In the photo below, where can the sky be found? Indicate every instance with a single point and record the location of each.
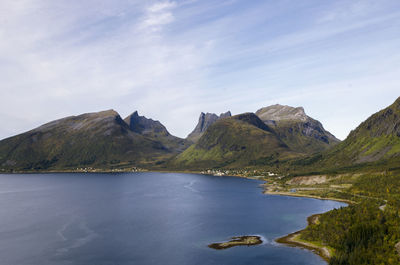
(171, 60)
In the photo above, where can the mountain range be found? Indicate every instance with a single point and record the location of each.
(273, 135)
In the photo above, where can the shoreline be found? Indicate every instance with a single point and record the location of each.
(293, 240)
(292, 194)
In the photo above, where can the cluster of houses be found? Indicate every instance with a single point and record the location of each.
(240, 172)
(91, 169)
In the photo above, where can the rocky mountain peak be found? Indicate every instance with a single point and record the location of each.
(279, 112)
(143, 125)
(299, 131)
(205, 121)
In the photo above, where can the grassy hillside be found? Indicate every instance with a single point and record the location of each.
(242, 140)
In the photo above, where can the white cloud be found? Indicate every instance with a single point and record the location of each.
(158, 14)
(161, 6)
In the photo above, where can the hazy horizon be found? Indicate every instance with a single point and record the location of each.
(171, 60)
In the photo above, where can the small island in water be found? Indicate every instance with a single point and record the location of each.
(237, 241)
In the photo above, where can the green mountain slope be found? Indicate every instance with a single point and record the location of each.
(100, 139)
(376, 138)
(299, 131)
(375, 141)
(241, 140)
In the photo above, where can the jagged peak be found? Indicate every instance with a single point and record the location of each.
(222, 115)
(205, 120)
(143, 125)
(135, 115)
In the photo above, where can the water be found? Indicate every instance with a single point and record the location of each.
(146, 218)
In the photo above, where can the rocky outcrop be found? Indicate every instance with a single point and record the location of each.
(279, 112)
(145, 126)
(205, 121)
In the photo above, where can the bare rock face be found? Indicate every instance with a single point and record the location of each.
(299, 131)
(205, 121)
(225, 115)
(282, 112)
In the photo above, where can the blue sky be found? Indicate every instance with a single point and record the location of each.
(170, 60)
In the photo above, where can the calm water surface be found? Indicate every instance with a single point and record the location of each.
(146, 218)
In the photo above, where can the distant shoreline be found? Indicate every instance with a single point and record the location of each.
(121, 171)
